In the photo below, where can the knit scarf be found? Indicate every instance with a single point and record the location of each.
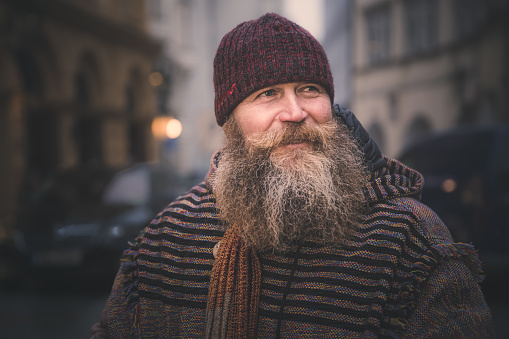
(234, 290)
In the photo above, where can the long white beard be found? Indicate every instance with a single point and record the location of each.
(278, 196)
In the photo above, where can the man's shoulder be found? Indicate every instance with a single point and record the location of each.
(419, 217)
(175, 250)
(191, 218)
(194, 209)
(198, 199)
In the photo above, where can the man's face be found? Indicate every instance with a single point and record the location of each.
(269, 109)
(289, 171)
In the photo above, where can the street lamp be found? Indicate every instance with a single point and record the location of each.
(166, 127)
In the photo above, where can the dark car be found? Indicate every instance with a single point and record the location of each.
(466, 174)
(82, 220)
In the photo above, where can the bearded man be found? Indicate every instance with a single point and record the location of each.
(301, 229)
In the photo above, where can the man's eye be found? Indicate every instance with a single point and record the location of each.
(267, 93)
(310, 88)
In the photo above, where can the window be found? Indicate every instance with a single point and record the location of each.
(87, 129)
(378, 34)
(136, 127)
(470, 14)
(419, 128)
(421, 27)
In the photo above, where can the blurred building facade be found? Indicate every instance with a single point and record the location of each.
(73, 91)
(421, 66)
(190, 32)
(338, 42)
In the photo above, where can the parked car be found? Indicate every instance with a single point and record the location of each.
(466, 173)
(82, 220)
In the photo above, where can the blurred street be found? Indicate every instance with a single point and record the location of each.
(497, 296)
(58, 314)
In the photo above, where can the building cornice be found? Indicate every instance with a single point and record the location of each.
(470, 41)
(102, 28)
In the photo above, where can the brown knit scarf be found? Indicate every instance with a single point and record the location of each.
(234, 292)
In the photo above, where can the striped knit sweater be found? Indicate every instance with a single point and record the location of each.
(399, 276)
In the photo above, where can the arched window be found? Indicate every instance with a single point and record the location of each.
(419, 128)
(137, 125)
(88, 126)
(41, 129)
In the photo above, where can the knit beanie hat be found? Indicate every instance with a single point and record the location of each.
(263, 52)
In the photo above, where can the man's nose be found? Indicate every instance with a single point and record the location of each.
(291, 109)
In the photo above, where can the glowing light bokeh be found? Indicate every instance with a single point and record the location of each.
(166, 127)
(449, 185)
(155, 79)
(173, 128)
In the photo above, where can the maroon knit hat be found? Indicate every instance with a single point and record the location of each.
(263, 52)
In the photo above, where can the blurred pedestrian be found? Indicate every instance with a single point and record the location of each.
(301, 229)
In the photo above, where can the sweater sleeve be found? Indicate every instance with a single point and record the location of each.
(451, 305)
(119, 315)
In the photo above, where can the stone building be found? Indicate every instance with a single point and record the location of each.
(190, 32)
(421, 66)
(337, 42)
(73, 91)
